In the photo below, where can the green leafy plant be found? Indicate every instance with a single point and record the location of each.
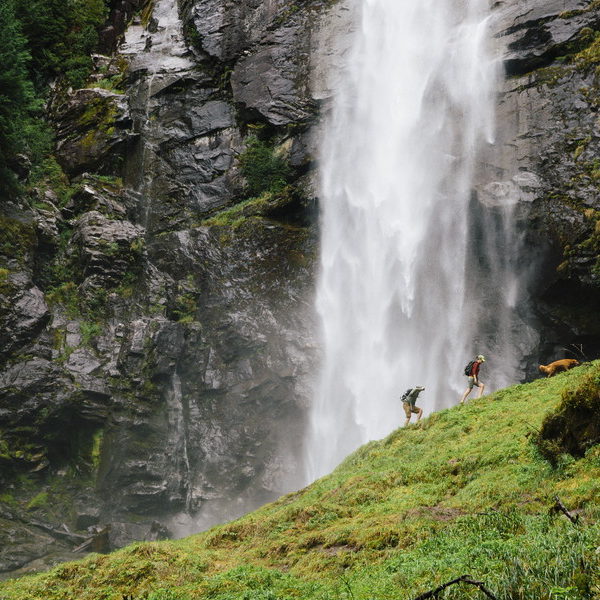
(89, 331)
(264, 169)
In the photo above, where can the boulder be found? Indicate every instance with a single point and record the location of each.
(107, 248)
(23, 312)
(93, 126)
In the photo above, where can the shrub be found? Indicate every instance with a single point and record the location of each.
(263, 168)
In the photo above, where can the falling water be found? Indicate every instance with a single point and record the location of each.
(397, 303)
(159, 53)
(177, 444)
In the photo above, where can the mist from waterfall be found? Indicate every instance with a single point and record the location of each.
(398, 296)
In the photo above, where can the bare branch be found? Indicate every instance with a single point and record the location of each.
(560, 507)
(578, 350)
(462, 579)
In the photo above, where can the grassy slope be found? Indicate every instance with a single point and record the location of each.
(466, 493)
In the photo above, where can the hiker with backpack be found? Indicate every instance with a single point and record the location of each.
(408, 402)
(472, 372)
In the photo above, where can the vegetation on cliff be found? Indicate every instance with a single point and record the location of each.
(40, 41)
(467, 492)
(17, 98)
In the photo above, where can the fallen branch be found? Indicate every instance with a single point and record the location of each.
(560, 507)
(63, 534)
(461, 579)
(85, 546)
(98, 542)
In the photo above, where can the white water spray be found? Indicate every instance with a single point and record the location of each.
(397, 168)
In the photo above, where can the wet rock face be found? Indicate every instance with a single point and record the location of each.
(535, 33)
(107, 248)
(93, 126)
(23, 310)
(157, 351)
(543, 159)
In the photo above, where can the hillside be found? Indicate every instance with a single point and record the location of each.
(468, 492)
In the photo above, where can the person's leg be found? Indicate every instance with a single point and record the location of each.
(419, 414)
(470, 384)
(407, 412)
(481, 388)
(464, 396)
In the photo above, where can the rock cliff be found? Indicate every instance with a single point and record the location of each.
(545, 160)
(157, 331)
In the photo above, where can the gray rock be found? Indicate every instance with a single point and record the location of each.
(93, 126)
(21, 544)
(273, 80)
(82, 362)
(23, 312)
(108, 248)
(535, 34)
(89, 198)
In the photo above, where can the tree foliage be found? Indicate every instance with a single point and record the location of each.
(61, 37)
(16, 92)
(40, 41)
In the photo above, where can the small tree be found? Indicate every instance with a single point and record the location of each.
(263, 169)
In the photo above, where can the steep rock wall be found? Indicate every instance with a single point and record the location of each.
(545, 161)
(158, 343)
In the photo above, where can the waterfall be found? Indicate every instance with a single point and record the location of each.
(180, 473)
(398, 296)
(157, 56)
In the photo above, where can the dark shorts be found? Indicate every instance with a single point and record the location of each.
(472, 383)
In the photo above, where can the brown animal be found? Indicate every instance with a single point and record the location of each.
(558, 365)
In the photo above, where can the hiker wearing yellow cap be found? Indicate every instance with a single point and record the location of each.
(472, 372)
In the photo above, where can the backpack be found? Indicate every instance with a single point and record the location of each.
(469, 367)
(405, 395)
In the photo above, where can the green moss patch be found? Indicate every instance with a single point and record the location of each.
(264, 205)
(590, 56)
(574, 427)
(18, 239)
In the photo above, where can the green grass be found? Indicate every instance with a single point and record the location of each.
(238, 214)
(467, 492)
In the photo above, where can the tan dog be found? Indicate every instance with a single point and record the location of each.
(558, 365)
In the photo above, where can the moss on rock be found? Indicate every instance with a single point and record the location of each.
(574, 426)
(266, 204)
